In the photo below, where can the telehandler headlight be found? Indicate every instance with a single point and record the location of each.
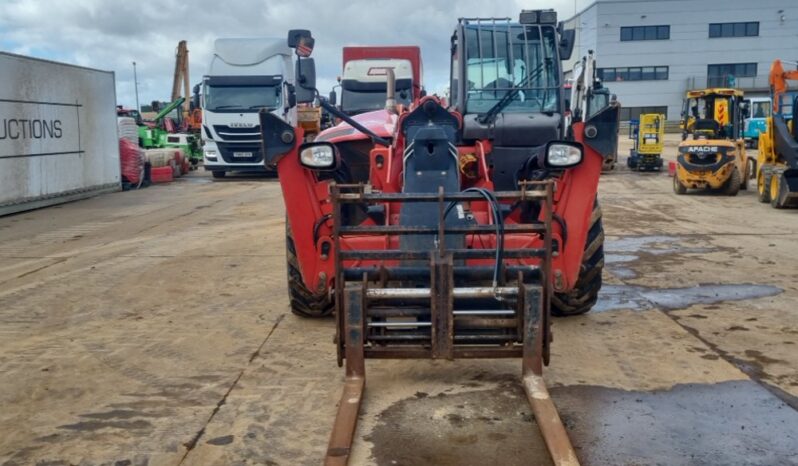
(318, 155)
(563, 154)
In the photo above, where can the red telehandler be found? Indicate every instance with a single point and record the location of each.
(467, 226)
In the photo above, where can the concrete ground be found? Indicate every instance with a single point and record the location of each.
(152, 328)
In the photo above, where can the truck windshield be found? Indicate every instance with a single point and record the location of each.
(241, 98)
(504, 57)
(367, 100)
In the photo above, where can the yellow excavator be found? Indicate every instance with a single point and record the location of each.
(714, 157)
(777, 162)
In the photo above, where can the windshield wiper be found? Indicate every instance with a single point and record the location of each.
(490, 116)
(261, 106)
(224, 106)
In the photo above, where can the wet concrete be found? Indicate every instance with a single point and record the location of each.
(473, 427)
(622, 253)
(736, 422)
(658, 244)
(616, 297)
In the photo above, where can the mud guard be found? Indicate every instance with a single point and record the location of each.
(577, 192)
(281, 144)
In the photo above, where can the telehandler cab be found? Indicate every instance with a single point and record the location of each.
(464, 227)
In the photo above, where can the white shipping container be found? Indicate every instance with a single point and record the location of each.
(58, 133)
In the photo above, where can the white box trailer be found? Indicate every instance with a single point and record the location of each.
(58, 133)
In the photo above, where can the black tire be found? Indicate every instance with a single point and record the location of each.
(304, 302)
(678, 187)
(763, 187)
(732, 186)
(218, 174)
(585, 293)
(746, 176)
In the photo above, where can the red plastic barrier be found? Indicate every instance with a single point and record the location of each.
(672, 168)
(131, 158)
(162, 174)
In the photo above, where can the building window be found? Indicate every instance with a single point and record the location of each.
(645, 33)
(633, 113)
(749, 29)
(637, 73)
(725, 74)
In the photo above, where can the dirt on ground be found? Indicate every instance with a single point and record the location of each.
(152, 328)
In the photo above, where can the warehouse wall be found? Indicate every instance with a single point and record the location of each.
(689, 49)
(58, 136)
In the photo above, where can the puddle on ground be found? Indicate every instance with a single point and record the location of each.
(475, 427)
(628, 249)
(638, 298)
(734, 422)
(652, 245)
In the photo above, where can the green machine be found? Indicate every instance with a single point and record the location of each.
(157, 137)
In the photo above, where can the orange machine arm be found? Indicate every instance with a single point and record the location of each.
(778, 81)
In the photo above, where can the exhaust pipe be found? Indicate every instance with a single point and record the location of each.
(390, 91)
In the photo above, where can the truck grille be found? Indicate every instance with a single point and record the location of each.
(227, 133)
(228, 152)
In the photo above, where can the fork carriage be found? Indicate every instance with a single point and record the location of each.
(466, 295)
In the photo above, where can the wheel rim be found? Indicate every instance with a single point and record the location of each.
(774, 187)
(760, 184)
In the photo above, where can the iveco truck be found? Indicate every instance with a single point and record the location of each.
(244, 76)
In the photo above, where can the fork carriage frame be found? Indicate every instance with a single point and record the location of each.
(374, 320)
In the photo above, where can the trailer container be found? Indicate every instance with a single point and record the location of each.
(58, 133)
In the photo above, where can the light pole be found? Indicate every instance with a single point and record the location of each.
(136, 84)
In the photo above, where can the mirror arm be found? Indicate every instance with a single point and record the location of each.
(376, 139)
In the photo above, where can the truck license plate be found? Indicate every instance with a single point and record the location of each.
(242, 154)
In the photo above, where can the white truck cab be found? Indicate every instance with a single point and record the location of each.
(363, 84)
(244, 76)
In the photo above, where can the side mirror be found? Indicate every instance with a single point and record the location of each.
(306, 80)
(291, 95)
(302, 41)
(563, 154)
(567, 40)
(333, 99)
(318, 156)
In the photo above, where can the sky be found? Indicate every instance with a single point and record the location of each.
(111, 35)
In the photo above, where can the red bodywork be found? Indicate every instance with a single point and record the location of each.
(406, 52)
(309, 207)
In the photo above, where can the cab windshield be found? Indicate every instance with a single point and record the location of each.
(242, 93)
(504, 57)
(760, 109)
(785, 104)
(358, 97)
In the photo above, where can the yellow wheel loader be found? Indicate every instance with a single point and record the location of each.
(777, 162)
(712, 154)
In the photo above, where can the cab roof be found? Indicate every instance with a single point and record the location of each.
(714, 91)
